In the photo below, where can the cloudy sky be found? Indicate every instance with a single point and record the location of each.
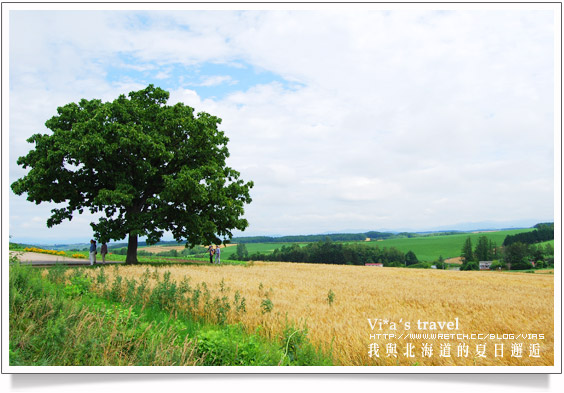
(345, 119)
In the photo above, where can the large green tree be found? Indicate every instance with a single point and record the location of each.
(148, 167)
(517, 254)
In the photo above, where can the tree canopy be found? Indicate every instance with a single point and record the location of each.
(147, 166)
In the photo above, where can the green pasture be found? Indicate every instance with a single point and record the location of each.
(429, 248)
(264, 248)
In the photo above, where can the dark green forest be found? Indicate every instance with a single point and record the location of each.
(542, 233)
(328, 252)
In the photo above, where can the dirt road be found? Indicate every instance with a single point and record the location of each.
(38, 259)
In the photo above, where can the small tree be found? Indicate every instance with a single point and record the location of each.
(440, 264)
(242, 252)
(410, 258)
(466, 253)
(148, 167)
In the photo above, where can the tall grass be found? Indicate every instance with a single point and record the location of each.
(98, 317)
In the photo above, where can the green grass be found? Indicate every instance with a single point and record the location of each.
(66, 318)
(17, 247)
(429, 248)
(263, 248)
(156, 260)
(551, 242)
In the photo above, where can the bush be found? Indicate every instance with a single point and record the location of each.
(471, 265)
(521, 265)
(79, 286)
(496, 265)
(232, 347)
(420, 265)
(165, 294)
(298, 350)
(266, 305)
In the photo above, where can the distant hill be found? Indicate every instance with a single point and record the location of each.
(337, 237)
(360, 236)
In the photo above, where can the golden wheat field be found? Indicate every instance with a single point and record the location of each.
(511, 306)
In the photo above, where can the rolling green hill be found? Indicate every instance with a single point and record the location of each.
(427, 248)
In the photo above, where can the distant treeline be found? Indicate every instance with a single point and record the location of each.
(301, 238)
(335, 237)
(542, 233)
(168, 253)
(333, 253)
(144, 244)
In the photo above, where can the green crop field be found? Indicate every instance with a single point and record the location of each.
(264, 248)
(429, 248)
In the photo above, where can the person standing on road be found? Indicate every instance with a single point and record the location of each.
(104, 251)
(217, 252)
(210, 250)
(92, 252)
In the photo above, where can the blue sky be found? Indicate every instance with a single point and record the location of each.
(347, 119)
(210, 80)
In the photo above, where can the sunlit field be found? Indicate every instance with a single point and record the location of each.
(335, 303)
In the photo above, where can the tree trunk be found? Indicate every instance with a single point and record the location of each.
(131, 258)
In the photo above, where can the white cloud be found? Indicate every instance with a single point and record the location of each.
(216, 80)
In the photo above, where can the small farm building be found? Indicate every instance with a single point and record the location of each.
(485, 265)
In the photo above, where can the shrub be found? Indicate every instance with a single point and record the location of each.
(266, 305)
(165, 293)
(420, 265)
(471, 265)
(330, 297)
(498, 264)
(298, 350)
(79, 286)
(232, 347)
